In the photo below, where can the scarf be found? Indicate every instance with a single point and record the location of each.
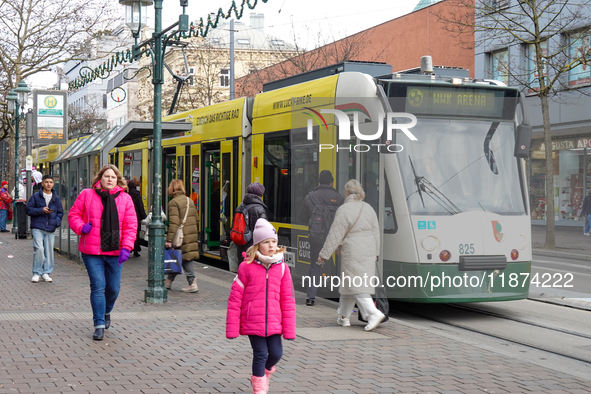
(268, 260)
(109, 221)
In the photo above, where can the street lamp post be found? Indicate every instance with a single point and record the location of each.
(135, 17)
(16, 100)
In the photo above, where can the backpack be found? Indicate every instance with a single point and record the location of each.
(240, 233)
(321, 219)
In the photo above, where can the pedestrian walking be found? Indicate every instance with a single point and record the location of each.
(256, 208)
(355, 229)
(586, 212)
(46, 212)
(262, 304)
(140, 213)
(37, 179)
(5, 202)
(105, 219)
(177, 211)
(318, 212)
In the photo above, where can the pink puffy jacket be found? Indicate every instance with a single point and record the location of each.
(261, 302)
(88, 207)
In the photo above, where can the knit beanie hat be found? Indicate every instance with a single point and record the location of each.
(255, 188)
(263, 230)
(4, 183)
(325, 177)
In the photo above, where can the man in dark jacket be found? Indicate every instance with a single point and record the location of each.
(45, 210)
(256, 209)
(324, 194)
(586, 211)
(136, 196)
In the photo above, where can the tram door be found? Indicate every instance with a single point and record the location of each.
(211, 197)
(229, 183)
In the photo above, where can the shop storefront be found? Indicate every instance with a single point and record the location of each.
(571, 180)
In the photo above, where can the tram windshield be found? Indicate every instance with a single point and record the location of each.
(461, 165)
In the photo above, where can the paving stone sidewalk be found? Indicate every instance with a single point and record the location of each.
(180, 347)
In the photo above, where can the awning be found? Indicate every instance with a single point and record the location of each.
(130, 133)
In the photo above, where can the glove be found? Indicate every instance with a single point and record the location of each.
(123, 255)
(86, 228)
(290, 339)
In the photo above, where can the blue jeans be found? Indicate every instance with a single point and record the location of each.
(267, 352)
(588, 226)
(43, 242)
(105, 281)
(3, 213)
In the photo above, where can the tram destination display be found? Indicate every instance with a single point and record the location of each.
(455, 101)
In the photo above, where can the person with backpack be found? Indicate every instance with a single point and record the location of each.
(318, 210)
(248, 212)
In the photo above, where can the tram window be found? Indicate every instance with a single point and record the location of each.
(390, 224)
(277, 170)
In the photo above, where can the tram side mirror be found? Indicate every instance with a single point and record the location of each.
(523, 141)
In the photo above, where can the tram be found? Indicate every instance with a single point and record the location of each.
(441, 160)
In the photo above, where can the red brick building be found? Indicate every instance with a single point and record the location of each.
(400, 42)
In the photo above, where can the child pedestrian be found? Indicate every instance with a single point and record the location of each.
(262, 304)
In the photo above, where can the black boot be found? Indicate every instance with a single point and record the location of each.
(107, 321)
(98, 335)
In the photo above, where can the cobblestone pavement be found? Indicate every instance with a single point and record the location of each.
(180, 347)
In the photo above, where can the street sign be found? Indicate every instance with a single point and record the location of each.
(50, 116)
(29, 163)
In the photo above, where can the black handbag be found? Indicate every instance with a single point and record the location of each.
(173, 261)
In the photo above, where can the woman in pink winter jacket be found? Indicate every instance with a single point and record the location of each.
(105, 219)
(262, 304)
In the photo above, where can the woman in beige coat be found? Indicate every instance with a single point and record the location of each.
(190, 248)
(355, 229)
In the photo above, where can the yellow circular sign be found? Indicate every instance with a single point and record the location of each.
(50, 101)
(415, 97)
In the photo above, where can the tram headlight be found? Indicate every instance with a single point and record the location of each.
(522, 242)
(514, 254)
(430, 243)
(444, 255)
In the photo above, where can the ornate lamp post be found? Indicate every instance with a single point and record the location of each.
(135, 15)
(17, 98)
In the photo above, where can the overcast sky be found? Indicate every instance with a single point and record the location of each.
(308, 18)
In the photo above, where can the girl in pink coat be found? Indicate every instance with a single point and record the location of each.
(105, 219)
(262, 304)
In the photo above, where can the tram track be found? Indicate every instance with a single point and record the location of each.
(539, 336)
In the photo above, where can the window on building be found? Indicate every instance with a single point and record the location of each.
(532, 69)
(580, 49)
(215, 40)
(104, 101)
(500, 4)
(277, 43)
(243, 41)
(500, 66)
(224, 77)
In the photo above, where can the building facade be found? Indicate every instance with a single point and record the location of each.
(400, 42)
(570, 117)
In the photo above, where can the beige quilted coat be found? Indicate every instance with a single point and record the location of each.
(176, 213)
(359, 248)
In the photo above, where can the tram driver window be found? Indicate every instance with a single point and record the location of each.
(276, 178)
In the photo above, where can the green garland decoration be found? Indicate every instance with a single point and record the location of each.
(200, 30)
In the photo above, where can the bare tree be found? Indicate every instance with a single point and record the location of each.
(549, 34)
(38, 34)
(88, 120)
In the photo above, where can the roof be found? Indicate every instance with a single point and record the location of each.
(245, 37)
